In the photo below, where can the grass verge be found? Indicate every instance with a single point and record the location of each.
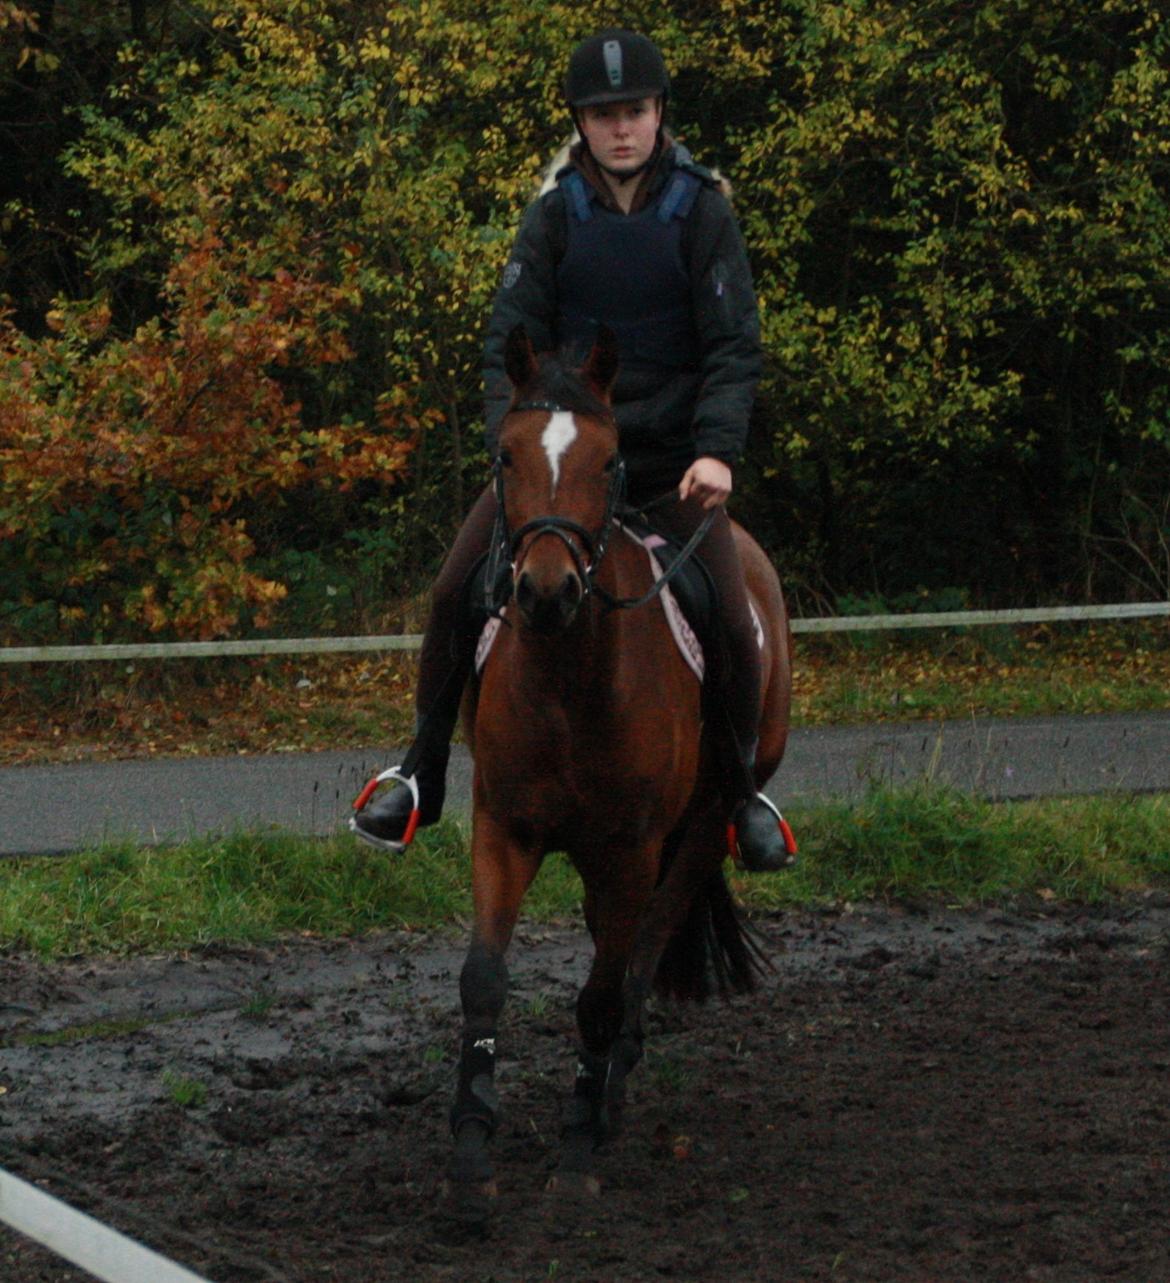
(919, 844)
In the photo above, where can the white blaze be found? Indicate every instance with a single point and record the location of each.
(557, 437)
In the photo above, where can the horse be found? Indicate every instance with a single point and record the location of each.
(587, 733)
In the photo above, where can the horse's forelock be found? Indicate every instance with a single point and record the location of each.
(557, 382)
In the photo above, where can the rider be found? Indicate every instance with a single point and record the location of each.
(635, 236)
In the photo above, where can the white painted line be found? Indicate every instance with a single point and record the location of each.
(106, 1254)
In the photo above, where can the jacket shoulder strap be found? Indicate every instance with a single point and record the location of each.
(577, 196)
(679, 197)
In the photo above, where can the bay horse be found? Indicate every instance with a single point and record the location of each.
(586, 728)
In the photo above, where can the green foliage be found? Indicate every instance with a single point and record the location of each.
(957, 217)
(960, 223)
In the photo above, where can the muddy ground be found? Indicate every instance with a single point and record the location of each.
(912, 1095)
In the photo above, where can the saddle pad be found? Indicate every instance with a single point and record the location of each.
(680, 626)
(685, 638)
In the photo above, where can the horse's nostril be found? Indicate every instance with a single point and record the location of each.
(571, 589)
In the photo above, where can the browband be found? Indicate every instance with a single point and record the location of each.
(551, 406)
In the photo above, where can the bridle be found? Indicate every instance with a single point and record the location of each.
(586, 547)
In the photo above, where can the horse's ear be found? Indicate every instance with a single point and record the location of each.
(519, 358)
(601, 366)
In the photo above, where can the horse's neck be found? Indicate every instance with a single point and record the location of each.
(572, 663)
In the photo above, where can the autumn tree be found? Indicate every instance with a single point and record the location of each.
(292, 214)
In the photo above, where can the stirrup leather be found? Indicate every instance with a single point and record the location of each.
(411, 782)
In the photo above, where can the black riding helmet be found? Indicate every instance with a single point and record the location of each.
(615, 66)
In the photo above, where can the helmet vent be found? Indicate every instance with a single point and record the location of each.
(612, 53)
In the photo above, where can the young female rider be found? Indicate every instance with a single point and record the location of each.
(637, 237)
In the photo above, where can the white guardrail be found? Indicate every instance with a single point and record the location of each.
(106, 1254)
(412, 641)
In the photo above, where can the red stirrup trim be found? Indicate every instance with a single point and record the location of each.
(789, 839)
(364, 796)
(785, 832)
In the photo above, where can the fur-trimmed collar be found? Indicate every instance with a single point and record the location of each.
(575, 155)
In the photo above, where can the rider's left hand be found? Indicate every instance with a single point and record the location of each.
(707, 479)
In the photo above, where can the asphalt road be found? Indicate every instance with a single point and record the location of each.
(52, 809)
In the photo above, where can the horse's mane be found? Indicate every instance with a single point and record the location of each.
(559, 382)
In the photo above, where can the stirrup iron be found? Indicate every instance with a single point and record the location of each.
(782, 824)
(388, 844)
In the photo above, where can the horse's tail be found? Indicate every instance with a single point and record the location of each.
(715, 939)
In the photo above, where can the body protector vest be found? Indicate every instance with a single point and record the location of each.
(627, 271)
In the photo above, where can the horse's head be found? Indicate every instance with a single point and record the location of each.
(558, 476)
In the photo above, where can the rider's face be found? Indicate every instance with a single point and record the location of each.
(621, 135)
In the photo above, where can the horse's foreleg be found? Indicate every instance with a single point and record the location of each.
(501, 873)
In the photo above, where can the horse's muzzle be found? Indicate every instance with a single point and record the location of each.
(548, 606)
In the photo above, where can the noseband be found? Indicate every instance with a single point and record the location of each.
(576, 538)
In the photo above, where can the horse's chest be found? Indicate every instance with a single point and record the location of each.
(575, 775)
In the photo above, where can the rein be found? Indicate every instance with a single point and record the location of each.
(506, 543)
(685, 554)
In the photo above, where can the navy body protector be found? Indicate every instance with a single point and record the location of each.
(630, 270)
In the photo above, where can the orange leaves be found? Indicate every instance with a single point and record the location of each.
(129, 465)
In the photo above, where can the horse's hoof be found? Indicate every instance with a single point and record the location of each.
(465, 1207)
(569, 1184)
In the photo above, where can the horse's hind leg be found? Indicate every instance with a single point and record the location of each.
(501, 874)
(613, 912)
(692, 851)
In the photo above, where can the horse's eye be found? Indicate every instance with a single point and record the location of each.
(611, 463)
(506, 458)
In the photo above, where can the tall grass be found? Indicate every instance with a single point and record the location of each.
(931, 843)
(923, 843)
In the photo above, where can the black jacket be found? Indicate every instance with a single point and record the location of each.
(701, 410)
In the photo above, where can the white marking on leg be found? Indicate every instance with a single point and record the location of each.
(557, 437)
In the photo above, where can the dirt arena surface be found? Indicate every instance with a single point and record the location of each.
(937, 1096)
